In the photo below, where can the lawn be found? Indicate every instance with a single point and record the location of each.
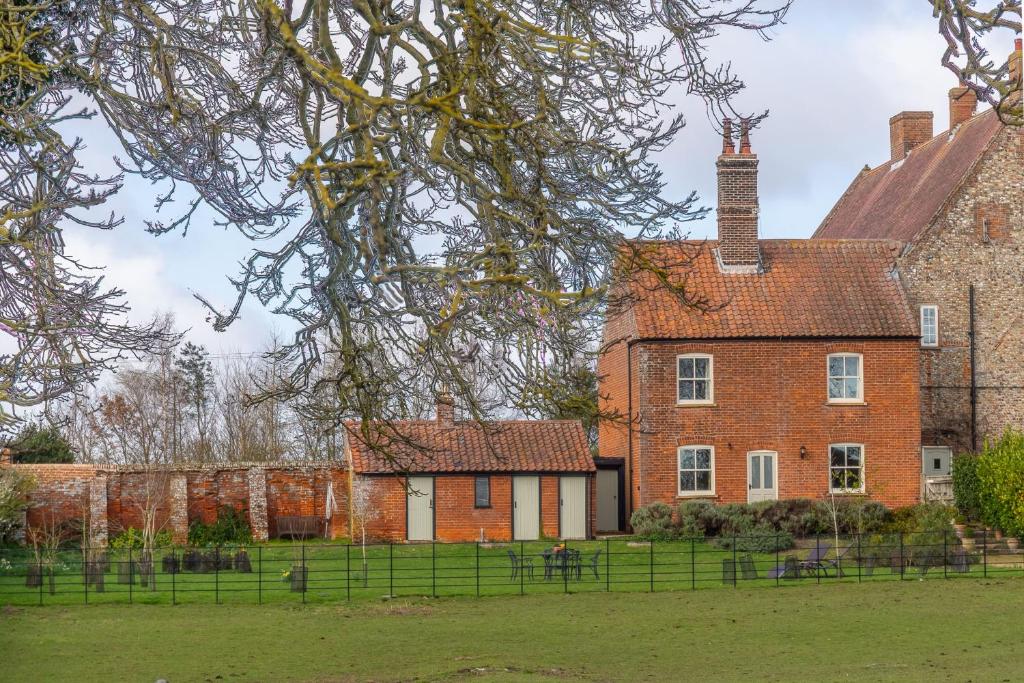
(906, 631)
(336, 572)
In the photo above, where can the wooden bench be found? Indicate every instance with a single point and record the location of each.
(300, 527)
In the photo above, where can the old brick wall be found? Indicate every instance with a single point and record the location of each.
(61, 494)
(772, 395)
(953, 253)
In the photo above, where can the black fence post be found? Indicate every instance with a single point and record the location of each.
(131, 576)
(176, 567)
(902, 561)
(259, 574)
(216, 575)
(522, 556)
(391, 569)
(860, 558)
(817, 554)
(478, 569)
(565, 566)
(693, 563)
(348, 571)
(41, 581)
(945, 555)
(777, 557)
(433, 569)
(305, 574)
(984, 552)
(88, 574)
(652, 565)
(607, 564)
(734, 560)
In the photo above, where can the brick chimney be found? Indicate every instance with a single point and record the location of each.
(907, 130)
(962, 105)
(1015, 73)
(738, 249)
(445, 410)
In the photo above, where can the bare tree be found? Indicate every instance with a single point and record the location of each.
(363, 509)
(421, 178)
(965, 28)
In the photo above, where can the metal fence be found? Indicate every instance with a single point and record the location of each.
(302, 572)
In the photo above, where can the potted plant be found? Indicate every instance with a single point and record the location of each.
(959, 526)
(967, 541)
(242, 561)
(1012, 543)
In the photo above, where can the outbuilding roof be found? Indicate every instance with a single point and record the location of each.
(432, 446)
(804, 288)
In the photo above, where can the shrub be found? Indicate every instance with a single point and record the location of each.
(231, 528)
(14, 490)
(131, 538)
(654, 522)
(925, 517)
(38, 444)
(966, 487)
(760, 538)
(1000, 471)
(861, 517)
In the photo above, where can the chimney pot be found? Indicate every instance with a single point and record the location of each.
(907, 130)
(727, 144)
(744, 136)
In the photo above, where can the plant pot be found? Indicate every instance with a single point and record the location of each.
(999, 534)
(191, 560)
(960, 529)
(298, 578)
(243, 563)
(171, 564)
(968, 543)
(1012, 543)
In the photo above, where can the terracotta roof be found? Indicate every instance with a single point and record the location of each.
(808, 288)
(898, 200)
(428, 446)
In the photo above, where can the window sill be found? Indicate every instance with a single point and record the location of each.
(482, 507)
(696, 404)
(700, 494)
(846, 403)
(849, 494)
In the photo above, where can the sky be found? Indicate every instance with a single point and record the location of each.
(830, 77)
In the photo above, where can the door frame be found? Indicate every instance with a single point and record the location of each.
(433, 504)
(540, 505)
(586, 502)
(775, 471)
(618, 464)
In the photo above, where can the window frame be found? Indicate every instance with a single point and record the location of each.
(922, 309)
(710, 400)
(679, 470)
(862, 467)
(860, 377)
(476, 493)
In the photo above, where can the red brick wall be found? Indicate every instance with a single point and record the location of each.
(61, 494)
(772, 395)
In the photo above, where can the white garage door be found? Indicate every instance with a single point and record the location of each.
(572, 507)
(420, 508)
(525, 508)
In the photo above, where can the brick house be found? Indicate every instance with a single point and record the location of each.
(800, 375)
(955, 201)
(462, 481)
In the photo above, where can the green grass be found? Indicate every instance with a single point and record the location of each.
(878, 631)
(336, 573)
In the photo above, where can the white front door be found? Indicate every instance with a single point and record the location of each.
(525, 508)
(572, 507)
(762, 481)
(419, 503)
(608, 500)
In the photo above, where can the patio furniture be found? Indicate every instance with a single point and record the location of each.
(815, 560)
(566, 561)
(520, 564)
(747, 567)
(837, 561)
(304, 526)
(594, 560)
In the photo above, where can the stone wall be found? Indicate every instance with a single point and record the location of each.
(111, 500)
(977, 238)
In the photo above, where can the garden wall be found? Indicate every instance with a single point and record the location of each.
(113, 499)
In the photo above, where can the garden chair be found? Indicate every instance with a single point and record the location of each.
(815, 559)
(747, 567)
(520, 564)
(837, 562)
(594, 561)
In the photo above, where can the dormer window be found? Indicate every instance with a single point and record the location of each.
(694, 379)
(845, 378)
(929, 325)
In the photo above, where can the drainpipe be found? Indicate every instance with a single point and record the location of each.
(629, 432)
(974, 379)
